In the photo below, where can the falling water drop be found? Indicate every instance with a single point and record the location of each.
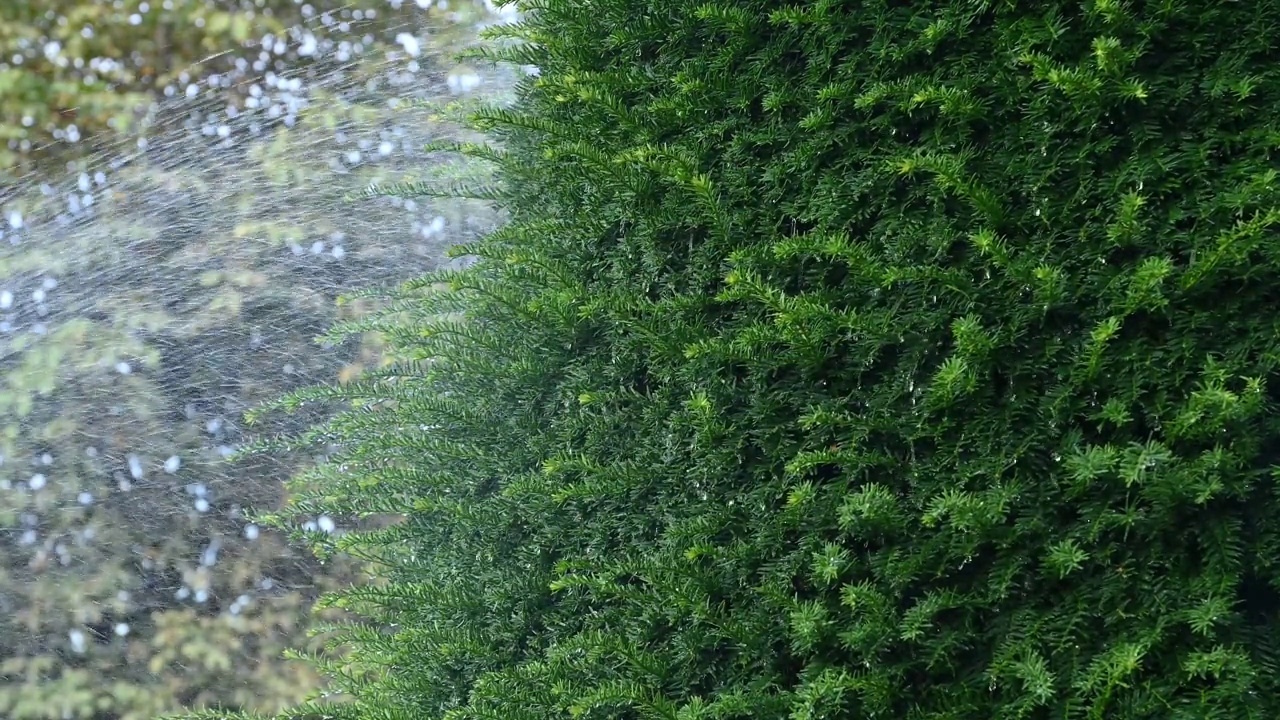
(209, 557)
(135, 467)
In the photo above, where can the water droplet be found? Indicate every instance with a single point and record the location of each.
(209, 557)
(412, 48)
(135, 467)
(308, 46)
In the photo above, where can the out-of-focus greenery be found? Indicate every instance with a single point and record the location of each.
(72, 69)
(143, 309)
(97, 61)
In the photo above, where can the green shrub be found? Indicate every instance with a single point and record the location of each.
(902, 360)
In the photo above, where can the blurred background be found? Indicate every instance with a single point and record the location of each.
(173, 235)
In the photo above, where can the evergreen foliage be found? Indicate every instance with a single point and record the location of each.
(872, 360)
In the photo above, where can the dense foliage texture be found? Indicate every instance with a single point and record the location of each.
(906, 360)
